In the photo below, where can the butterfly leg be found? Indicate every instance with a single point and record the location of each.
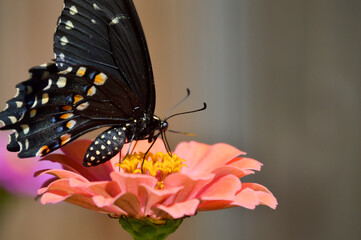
(130, 146)
(104, 147)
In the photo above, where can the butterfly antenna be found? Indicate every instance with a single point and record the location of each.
(197, 110)
(184, 133)
(180, 102)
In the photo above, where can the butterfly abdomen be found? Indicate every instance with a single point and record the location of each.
(105, 146)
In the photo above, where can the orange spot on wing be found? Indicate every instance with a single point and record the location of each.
(66, 116)
(77, 98)
(100, 79)
(44, 150)
(65, 139)
(67, 108)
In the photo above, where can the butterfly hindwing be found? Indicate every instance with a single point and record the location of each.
(67, 105)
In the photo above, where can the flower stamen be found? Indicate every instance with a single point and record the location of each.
(158, 165)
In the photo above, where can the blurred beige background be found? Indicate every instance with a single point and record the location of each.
(282, 81)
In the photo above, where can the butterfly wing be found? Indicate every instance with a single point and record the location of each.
(102, 76)
(107, 35)
(48, 113)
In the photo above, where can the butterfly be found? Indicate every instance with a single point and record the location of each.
(101, 76)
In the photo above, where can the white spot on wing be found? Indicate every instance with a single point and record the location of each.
(81, 71)
(92, 91)
(71, 124)
(45, 98)
(62, 56)
(6, 106)
(25, 128)
(96, 7)
(13, 119)
(73, 10)
(66, 71)
(82, 106)
(114, 21)
(64, 41)
(69, 25)
(17, 93)
(21, 146)
(93, 21)
(19, 104)
(26, 144)
(61, 82)
(35, 102)
(49, 85)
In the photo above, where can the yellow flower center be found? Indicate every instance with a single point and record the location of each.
(158, 165)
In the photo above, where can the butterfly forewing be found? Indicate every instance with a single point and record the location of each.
(106, 35)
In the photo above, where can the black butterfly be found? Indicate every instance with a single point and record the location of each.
(102, 76)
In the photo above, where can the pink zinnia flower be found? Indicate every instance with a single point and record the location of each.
(198, 177)
(207, 179)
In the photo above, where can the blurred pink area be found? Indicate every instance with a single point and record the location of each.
(16, 174)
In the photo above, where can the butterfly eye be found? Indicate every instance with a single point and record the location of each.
(164, 126)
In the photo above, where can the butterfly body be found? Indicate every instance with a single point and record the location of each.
(108, 144)
(102, 77)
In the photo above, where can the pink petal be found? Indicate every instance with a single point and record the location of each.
(179, 210)
(60, 173)
(131, 182)
(64, 185)
(76, 151)
(245, 163)
(202, 159)
(107, 188)
(191, 151)
(149, 197)
(224, 188)
(54, 196)
(72, 165)
(191, 186)
(230, 170)
(88, 202)
(264, 195)
(247, 198)
(214, 205)
(129, 203)
(101, 201)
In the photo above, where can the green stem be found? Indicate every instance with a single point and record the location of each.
(149, 229)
